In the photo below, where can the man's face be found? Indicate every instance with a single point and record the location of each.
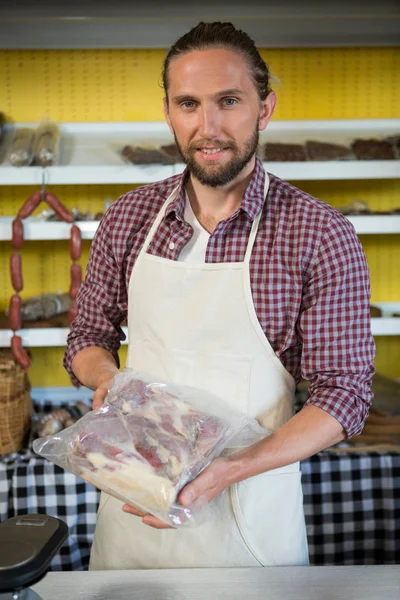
(215, 113)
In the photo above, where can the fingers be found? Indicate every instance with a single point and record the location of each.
(204, 484)
(98, 398)
(155, 523)
(133, 511)
(146, 518)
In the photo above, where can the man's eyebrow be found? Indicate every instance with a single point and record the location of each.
(223, 93)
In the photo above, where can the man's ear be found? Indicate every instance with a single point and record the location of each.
(267, 110)
(166, 115)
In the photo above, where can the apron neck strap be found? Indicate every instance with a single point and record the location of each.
(256, 223)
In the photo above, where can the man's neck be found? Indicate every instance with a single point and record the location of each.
(212, 205)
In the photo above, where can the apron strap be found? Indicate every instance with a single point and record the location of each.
(256, 223)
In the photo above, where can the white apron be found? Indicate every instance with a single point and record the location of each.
(195, 324)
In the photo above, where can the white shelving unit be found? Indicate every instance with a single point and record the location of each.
(90, 153)
(55, 230)
(57, 336)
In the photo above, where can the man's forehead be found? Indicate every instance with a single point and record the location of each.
(220, 68)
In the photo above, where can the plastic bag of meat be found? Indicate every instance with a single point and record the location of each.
(148, 440)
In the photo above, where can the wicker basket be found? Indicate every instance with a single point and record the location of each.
(15, 404)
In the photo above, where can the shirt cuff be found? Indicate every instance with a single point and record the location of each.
(351, 411)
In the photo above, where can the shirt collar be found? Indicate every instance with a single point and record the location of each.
(253, 198)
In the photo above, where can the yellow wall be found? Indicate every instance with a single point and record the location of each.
(124, 85)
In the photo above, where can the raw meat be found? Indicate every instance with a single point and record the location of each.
(144, 445)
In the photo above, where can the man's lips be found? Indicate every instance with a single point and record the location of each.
(211, 154)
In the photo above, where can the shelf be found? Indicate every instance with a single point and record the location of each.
(39, 337)
(57, 336)
(376, 224)
(47, 230)
(89, 153)
(56, 230)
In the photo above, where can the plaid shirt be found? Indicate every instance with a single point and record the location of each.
(309, 280)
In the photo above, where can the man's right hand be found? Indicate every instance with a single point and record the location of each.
(101, 392)
(95, 368)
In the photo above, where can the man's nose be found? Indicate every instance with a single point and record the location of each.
(209, 125)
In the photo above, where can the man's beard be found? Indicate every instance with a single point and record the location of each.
(214, 175)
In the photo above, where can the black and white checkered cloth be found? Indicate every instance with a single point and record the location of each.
(352, 508)
(31, 484)
(351, 503)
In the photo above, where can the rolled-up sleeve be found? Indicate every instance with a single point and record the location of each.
(335, 327)
(100, 304)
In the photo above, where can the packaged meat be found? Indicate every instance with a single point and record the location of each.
(322, 151)
(146, 156)
(21, 151)
(373, 149)
(44, 306)
(284, 152)
(172, 151)
(148, 440)
(45, 144)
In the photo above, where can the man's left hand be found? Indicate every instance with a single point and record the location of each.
(208, 485)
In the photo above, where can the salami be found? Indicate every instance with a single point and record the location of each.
(14, 313)
(16, 271)
(17, 237)
(75, 245)
(30, 204)
(58, 207)
(76, 280)
(19, 352)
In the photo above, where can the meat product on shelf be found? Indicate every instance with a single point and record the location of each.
(44, 306)
(327, 151)
(394, 140)
(372, 149)
(172, 151)
(21, 151)
(61, 418)
(146, 156)
(284, 152)
(375, 311)
(45, 144)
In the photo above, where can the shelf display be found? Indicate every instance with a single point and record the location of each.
(100, 153)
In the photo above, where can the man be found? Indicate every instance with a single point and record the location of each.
(235, 282)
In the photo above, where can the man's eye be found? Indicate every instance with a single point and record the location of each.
(230, 101)
(188, 104)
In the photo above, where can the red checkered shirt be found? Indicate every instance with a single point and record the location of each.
(309, 280)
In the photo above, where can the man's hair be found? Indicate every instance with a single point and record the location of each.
(226, 36)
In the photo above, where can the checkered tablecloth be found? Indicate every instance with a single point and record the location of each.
(352, 508)
(351, 503)
(30, 484)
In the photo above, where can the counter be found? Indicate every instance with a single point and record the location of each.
(273, 583)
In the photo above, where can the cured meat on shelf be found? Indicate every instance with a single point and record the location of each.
(172, 151)
(327, 151)
(146, 156)
(284, 152)
(372, 149)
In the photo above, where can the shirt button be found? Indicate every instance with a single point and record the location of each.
(171, 246)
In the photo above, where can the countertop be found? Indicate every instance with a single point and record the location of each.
(272, 583)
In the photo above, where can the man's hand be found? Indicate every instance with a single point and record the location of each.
(102, 391)
(207, 486)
